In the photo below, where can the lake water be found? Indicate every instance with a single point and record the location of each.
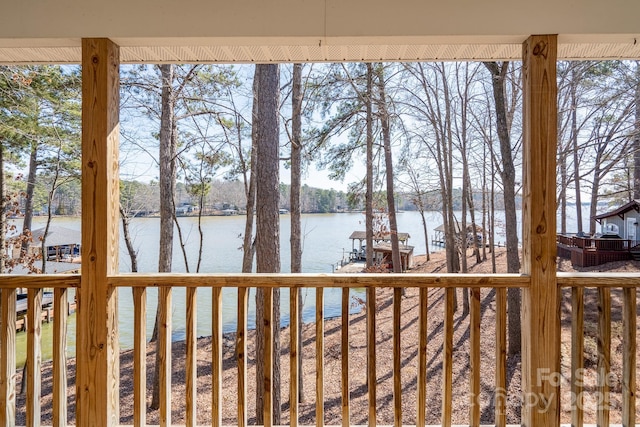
(325, 242)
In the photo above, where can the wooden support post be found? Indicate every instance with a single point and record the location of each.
(97, 350)
(540, 314)
(8, 356)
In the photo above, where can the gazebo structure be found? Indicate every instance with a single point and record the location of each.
(102, 34)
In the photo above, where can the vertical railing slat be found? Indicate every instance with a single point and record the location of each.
(319, 357)
(294, 331)
(8, 357)
(500, 392)
(164, 356)
(422, 358)
(241, 356)
(191, 362)
(371, 353)
(268, 357)
(34, 356)
(216, 357)
(474, 380)
(447, 357)
(140, 357)
(629, 325)
(397, 358)
(59, 355)
(577, 356)
(346, 421)
(604, 355)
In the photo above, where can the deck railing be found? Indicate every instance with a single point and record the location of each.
(572, 379)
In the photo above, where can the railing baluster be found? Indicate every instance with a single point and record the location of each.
(447, 357)
(371, 353)
(60, 357)
(474, 348)
(397, 358)
(629, 325)
(577, 356)
(8, 357)
(216, 357)
(604, 354)
(500, 392)
(34, 356)
(140, 357)
(422, 358)
(346, 422)
(191, 362)
(294, 331)
(319, 357)
(164, 356)
(241, 356)
(268, 357)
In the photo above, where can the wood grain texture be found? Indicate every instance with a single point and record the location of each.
(604, 356)
(422, 359)
(500, 391)
(474, 358)
(191, 358)
(165, 328)
(598, 280)
(140, 357)
(34, 356)
(216, 357)
(294, 331)
(447, 359)
(8, 356)
(268, 357)
(35, 281)
(241, 355)
(319, 357)
(59, 355)
(371, 354)
(397, 358)
(346, 405)
(313, 280)
(540, 314)
(577, 355)
(97, 387)
(629, 358)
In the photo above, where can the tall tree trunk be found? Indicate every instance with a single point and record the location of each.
(133, 256)
(268, 220)
(574, 143)
(636, 138)
(28, 206)
(499, 73)
(168, 150)
(296, 169)
(369, 190)
(383, 111)
(296, 229)
(248, 246)
(3, 214)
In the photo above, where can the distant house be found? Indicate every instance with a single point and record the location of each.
(62, 244)
(617, 240)
(622, 221)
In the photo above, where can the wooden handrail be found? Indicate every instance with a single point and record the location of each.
(320, 280)
(629, 282)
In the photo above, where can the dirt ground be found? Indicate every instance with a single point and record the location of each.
(384, 362)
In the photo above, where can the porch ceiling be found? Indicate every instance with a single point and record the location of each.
(50, 31)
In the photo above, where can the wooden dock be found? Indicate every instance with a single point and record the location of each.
(46, 315)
